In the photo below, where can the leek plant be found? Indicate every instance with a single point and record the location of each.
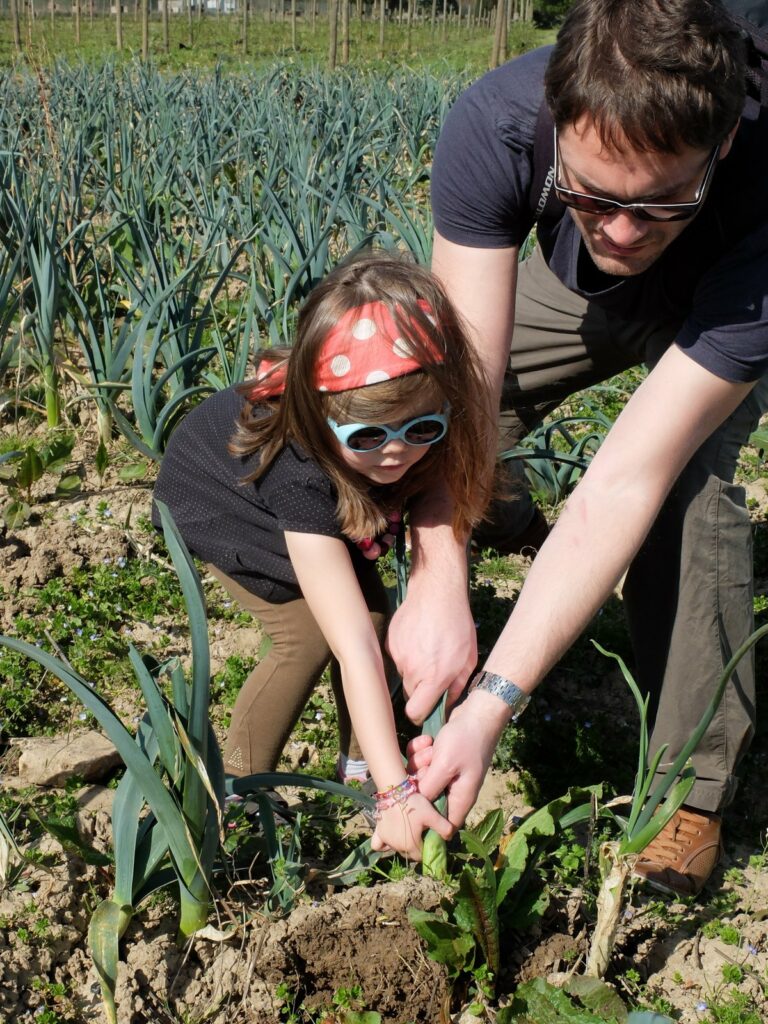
(555, 458)
(434, 854)
(10, 296)
(651, 808)
(168, 808)
(107, 339)
(11, 857)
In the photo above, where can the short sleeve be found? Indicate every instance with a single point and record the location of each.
(299, 495)
(483, 160)
(727, 329)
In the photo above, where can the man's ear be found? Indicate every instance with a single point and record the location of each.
(725, 145)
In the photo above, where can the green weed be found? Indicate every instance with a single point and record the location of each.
(733, 1007)
(21, 470)
(727, 933)
(86, 617)
(346, 1007)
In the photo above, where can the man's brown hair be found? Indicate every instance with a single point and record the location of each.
(657, 74)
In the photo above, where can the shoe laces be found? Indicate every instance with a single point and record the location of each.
(675, 838)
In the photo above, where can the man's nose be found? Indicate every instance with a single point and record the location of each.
(622, 228)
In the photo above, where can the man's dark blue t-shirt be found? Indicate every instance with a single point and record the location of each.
(712, 279)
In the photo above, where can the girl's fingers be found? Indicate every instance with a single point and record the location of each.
(420, 742)
(419, 754)
(377, 843)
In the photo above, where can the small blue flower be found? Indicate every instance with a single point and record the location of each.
(701, 1007)
(121, 561)
(79, 632)
(82, 716)
(548, 717)
(587, 725)
(752, 950)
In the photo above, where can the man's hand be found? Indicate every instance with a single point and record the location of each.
(432, 642)
(458, 760)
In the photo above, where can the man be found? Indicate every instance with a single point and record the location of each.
(653, 247)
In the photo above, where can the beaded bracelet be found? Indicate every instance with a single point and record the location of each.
(396, 794)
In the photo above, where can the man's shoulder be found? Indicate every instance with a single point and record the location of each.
(509, 96)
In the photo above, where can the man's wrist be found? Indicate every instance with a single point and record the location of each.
(505, 690)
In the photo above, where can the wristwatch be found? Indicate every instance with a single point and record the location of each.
(512, 695)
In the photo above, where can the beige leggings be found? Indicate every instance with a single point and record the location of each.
(274, 694)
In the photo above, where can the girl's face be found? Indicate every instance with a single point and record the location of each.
(390, 462)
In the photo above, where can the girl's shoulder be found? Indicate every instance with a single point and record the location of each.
(294, 464)
(220, 408)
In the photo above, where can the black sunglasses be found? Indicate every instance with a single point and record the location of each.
(600, 206)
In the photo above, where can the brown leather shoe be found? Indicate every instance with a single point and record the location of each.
(683, 855)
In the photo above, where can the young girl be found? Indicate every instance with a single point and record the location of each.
(291, 485)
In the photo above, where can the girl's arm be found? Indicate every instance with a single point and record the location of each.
(328, 582)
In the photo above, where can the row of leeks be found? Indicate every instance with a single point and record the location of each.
(154, 231)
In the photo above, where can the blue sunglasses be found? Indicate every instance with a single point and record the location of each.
(362, 437)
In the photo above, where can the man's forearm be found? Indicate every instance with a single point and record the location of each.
(435, 549)
(609, 514)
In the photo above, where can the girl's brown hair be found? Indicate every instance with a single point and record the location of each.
(463, 458)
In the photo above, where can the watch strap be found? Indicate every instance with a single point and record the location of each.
(504, 689)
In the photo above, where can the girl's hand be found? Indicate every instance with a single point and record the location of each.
(375, 548)
(400, 827)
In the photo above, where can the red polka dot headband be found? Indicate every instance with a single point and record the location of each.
(364, 347)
